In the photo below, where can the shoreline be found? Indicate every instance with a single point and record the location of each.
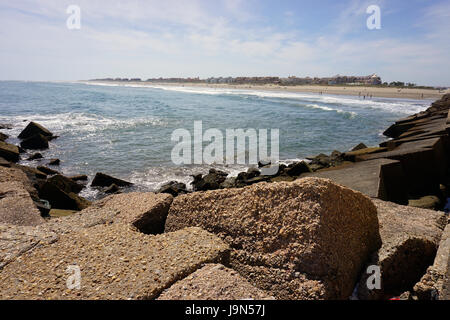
(379, 92)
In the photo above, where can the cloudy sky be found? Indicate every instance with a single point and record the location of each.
(190, 38)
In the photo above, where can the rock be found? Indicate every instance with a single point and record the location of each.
(146, 212)
(353, 155)
(112, 189)
(211, 181)
(409, 240)
(43, 206)
(18, 240)
(32, 129)
(65, 184)
(103, 180)
(214, 282)
(37, 141)
(9, 151)
(115, 263)
(16, 206)
(3, 136)
(17, 175)
(6, 126)
(32, 173)
(58, 213)
(4, 163)
(174, 188)
(297, 168)
(35, 156)
(264, 163)
(432, 285)
(427, 202)
(54, 162)
(81, 177)
(359, 147)
(47, 170)
(230, 182)
(308, 239)
(59, 199)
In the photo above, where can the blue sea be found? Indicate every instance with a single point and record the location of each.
(125, 131)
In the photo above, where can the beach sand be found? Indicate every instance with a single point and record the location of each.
(405, 93)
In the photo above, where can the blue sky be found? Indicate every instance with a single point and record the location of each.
(190, 38)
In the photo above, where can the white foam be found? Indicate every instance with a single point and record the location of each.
(404, 106)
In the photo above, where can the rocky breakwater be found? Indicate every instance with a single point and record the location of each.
(412, 167)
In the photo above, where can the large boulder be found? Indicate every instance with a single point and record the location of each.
(173, 188)
(16, 205)
(308, 239)
(65, 184)
(435, 283)
(410, 237)
(146, 212)
(17, 175)
(211, 181)
(37, 141)
(104, 180)
(61, 199)
(114, 262)
(214, 282)
(9, 151)
(34, 128)
(47, 170)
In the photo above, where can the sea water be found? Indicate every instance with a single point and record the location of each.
(125, 130)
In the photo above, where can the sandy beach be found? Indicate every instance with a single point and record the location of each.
(405, 93)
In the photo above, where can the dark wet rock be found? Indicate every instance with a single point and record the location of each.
(60, 199)
(264, 163)
(359, 147)
(32, 129)
(80, 177)
(54, 162)
(47, 170)
(174, 188)
(112, 189)
(9, 151)
(104, 180)
(65, 184)
(37, 141)
(211, 181)
(6, 126)
(297, 168)
(35, 156)
(3, 136)
(33, 174)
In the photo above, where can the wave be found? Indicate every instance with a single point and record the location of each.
(80, 122)
(393, 105)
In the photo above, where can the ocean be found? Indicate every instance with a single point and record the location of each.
(125, 130)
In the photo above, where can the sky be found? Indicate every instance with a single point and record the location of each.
(206, 38)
